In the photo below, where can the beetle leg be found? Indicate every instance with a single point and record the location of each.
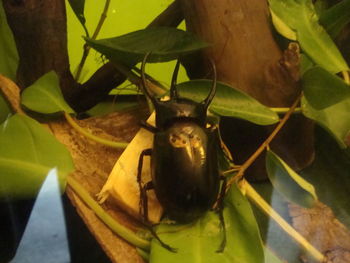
(144, 200)
(146, 152)
(220, 209)
(148, 127)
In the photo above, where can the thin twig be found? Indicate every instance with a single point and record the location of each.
(250, 192)
(94, 36)
(262, 147)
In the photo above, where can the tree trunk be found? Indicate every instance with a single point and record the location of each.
(247, 57)
(40, 32)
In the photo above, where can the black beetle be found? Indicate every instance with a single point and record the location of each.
(184, 165)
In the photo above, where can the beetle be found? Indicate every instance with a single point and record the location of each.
(184, 163)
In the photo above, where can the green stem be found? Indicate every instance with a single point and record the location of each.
(346, 77)
(117, 228)
(143, 254)
(285, 110)
(118, 145)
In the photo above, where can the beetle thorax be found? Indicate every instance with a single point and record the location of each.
(169, 111)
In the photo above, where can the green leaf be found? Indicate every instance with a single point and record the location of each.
(282, 28)
(28, 152)
(8, 51)
(78, 9)
(270, 257)
(300, 16)
(288, 182)
(199, 241)
(335, 119)
(336, 18)
(5, 110)
(165, 43)
(323, 89)
(320, 6)
(229, 102)
(45, 96)
(305, 64)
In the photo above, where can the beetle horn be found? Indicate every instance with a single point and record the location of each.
(143, 80)
(211, 95)
(173, 90)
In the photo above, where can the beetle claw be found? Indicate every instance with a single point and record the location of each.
(171, 249)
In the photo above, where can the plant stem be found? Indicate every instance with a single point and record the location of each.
(262, 147)
(118, 145)
(143, 254)
(346, 77)
(116, 227)
(94, 36)
(250, 192)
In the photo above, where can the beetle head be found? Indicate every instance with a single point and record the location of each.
(177, 107)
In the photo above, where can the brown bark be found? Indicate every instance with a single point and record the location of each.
(40, 33)
(247, 57)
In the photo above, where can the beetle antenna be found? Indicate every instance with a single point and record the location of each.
(173, 90)
(211, 95)
(143, 80)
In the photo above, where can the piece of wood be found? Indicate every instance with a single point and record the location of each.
(93, 163)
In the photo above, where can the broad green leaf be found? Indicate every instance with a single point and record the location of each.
(320, 6)
(229, 102)
(336, 18)
(27, 153)
(335, 119)
(305, 64)
(270, 257)
(282, 28)
(288, 182)
(45, 95)
(78, 9)
(300, 16)
(5, 110)
(198, 242)
(8, 51)
(165, 43)
(323, 89)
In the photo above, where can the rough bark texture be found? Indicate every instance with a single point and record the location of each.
(320, 227)
(39, 29)
(248, 58)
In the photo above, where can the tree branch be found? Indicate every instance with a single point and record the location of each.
(108, 77)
